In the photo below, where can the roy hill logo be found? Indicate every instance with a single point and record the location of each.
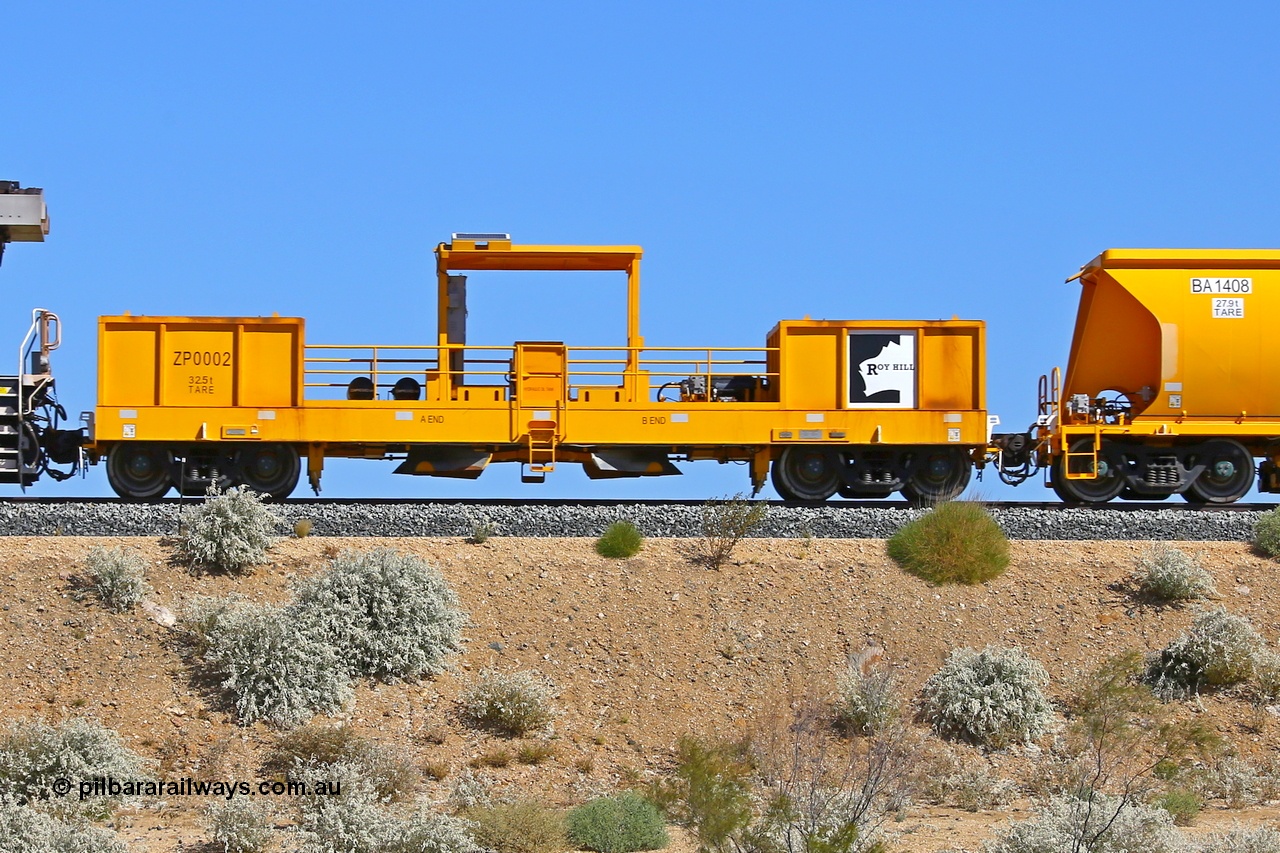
(882, 370)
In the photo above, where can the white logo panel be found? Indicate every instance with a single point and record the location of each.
(882, 370)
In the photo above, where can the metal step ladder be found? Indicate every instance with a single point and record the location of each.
(544, 436)
(12, 469)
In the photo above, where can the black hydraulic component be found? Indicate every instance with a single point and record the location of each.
(360, 388)
(1268, 477)
(1017, 460)
(62, 445)
(737, 388)
(407, 388)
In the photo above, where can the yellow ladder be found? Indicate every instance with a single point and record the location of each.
(544, 436)
(1082, 469)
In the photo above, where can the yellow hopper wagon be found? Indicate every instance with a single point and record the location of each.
(858, 408)
(1170, 386)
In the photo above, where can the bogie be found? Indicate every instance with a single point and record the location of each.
(1226, 473)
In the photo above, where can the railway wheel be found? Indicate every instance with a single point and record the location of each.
(139, 471)
(1109, 483)
(1227, 475)
(940, 474)
(806, 473)
(271, 469)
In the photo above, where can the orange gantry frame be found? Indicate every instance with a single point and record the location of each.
(863, 408)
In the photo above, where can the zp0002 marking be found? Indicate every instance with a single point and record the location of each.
(212, 358)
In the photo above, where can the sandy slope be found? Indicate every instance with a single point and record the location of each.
(640, 651)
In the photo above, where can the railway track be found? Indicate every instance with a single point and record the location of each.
(383, 517)
(837, 505)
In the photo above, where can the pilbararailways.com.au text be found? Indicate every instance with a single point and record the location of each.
(188, 787)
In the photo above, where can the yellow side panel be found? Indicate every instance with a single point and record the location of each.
(541, 374)
(196, 366)
(948, 377)
(1116, 345)
(126, 366)
(268, 367)
(810, 365)
(1218, 347)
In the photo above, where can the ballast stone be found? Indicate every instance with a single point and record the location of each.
(453, 519)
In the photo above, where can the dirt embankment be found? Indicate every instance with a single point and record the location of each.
(640, 651)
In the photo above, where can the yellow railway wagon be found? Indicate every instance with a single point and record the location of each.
(1170, 386)
(855, 407)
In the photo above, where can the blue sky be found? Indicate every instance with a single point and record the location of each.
(838, 160)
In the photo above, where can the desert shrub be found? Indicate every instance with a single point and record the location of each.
(239, 826)
(869, 701)
(275, 668)
(481, 525)
(1266, 533)
(994, 697)
(1166, 573)
(200, 616)
(425, 831)
(955, 542)
(387, 614)
(392, 774)
(230, 531)
(935, 764)
(33, 755)
(508, 703)
(820, 792)
(25, 830)
(353, 822)
(1182, 804)
(525, 826)
(974, 789)
(1122, 740)
(1219, 649)
(1096, 824)
(481, 532)
(469, 790)
(493, 758)
(119, 577)
(1238, 782)
(1241, 839)
(620, 540)
(535, 753)
(710, 790)
(726, 522)
(302, 528)
(620, 824)
(1266, 677)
